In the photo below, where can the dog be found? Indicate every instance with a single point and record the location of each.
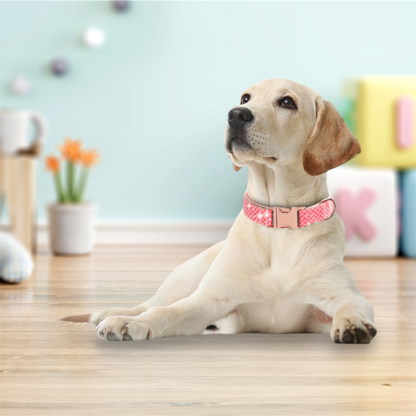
(272, 274)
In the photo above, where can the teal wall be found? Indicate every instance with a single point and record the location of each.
(154, 100)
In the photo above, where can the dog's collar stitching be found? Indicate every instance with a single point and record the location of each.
(293, 218)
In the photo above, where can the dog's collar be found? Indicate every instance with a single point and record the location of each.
(294, 217)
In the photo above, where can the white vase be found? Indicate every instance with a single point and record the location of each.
(71, 228)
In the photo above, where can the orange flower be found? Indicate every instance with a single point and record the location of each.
(88, 158)
(71, 149)
(52, 164)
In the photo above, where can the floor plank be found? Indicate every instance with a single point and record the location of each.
(50, 367)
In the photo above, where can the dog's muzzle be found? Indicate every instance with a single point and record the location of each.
(238, 118)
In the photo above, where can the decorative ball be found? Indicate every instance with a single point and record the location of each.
(20, 85)
(94, 37)
(59, 67)
(121, 5)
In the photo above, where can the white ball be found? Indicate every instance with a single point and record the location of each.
(94, 37)
(20, 85)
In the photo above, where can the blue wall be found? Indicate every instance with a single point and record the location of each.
(154, 100)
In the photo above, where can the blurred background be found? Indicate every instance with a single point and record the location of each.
(153, 98)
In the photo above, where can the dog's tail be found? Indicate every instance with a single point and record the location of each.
(77, 318)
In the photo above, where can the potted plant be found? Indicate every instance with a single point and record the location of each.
(71, 218)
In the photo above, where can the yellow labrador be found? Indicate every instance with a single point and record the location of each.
(266, 279)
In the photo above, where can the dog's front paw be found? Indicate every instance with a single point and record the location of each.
(353, 331)
(123, 328)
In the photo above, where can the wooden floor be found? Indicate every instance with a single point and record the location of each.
(50, 367)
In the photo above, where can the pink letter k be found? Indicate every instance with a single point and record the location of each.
(352, 209)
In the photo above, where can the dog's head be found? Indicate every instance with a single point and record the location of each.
(281, 121)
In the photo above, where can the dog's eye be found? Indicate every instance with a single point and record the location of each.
(287, 102)
(245, 98)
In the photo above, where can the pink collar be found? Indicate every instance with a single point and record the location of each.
(295, 217)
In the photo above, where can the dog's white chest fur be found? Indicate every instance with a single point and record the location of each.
(278, 270)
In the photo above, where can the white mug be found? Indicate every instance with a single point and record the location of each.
(14, 126)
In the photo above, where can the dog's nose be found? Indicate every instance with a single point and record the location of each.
(239, 116)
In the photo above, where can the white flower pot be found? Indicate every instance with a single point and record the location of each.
(71, 228)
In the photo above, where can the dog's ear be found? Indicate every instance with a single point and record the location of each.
(236, 168)
(331, 143)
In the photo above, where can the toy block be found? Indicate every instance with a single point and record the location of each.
(381, 111)
(367, 202)
(408, 225)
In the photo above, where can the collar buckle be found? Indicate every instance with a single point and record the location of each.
(286, 217)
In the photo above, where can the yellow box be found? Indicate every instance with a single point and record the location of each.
(376, 121)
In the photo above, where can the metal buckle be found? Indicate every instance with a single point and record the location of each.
(286, 217)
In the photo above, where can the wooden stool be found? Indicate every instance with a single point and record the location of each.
(18, 187)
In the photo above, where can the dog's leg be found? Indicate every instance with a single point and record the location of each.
(188, 316)
(181, 283)
(336, 294)
(220, 291)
